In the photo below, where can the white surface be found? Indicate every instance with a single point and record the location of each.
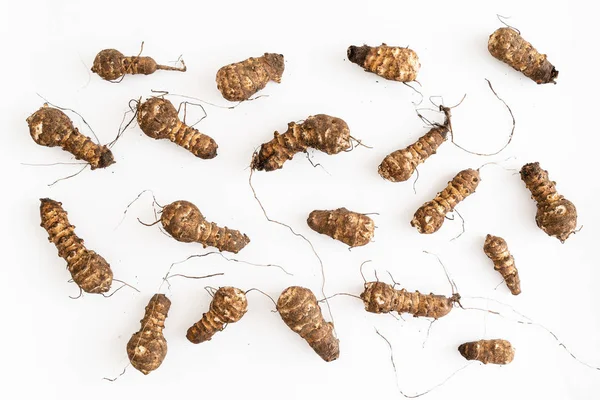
(56, 347)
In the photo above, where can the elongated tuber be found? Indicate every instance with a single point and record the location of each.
(51, 127)
(556, 215)
(322, 132)
(229, 305)
(300, 311)
(393, 63)
(430, 217)
(348, 227)
(185, 223)
(239, 81)
(497, 250)
(158, 119)
(380, 297)
(401, 164)
(147, 348)
(494, 351)
(89, 270)
(508, 46)
(111, 64)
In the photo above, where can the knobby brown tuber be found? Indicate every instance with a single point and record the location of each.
(497, 250)
(147, 348)
(185, 223)
(158, 119)
(348, 227)
(239, 81)
(393, 63)
(401, 164)
(494, 351)
(51, 127)
(508, 46)
(556, 215)
(322, 132)
(229, 305)
(111, 64)
(430, 217)
(380, 297)
(89, 270)
(300, 311)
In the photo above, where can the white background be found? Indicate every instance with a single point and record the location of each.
(56, 347)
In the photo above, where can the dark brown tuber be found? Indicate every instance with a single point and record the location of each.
(556, 215)
(497, 250)
(494, 351)
(51, 127)
(89, 270)
(394, 63)
(239, 81)
(322, 132)
(158, 119)
(300, 311)
(348, 227)
(430, 217)
(380, 297)
(508, 46)
(401, 164)
(111, 64)
(147, 348)
(229, 305)
(185, 223)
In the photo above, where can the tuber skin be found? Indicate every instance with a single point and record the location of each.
(229, 305)
(185, 223)
(348, 227)
(147, 348)
(239, 81)
(401, 164)
(508, 46)
(51, 127)
(300, 311)
(497, 250)
(430, 217)
(394, 63)
(89, 270)
(556, 215)
(322, 132)
(111, 64)
(158, 119)
(380, 297)
(494, 351)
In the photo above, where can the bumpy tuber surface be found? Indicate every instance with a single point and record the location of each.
(147, 348)
(380, 297)
(51, 127)
(494, 351)
(508, 46)
(111, 64)
(556, 215)
(300, 311)
(401, 164)
(89, 270)
(322, 132)
(348, 227)
(158, 119)
(239, 81)
(229, 305)
(185, 223)
(430, 217)
(497, 250)
(393, 63)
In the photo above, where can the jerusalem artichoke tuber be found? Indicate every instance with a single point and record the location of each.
(322, 132)
(300, 311)
(89, 270)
